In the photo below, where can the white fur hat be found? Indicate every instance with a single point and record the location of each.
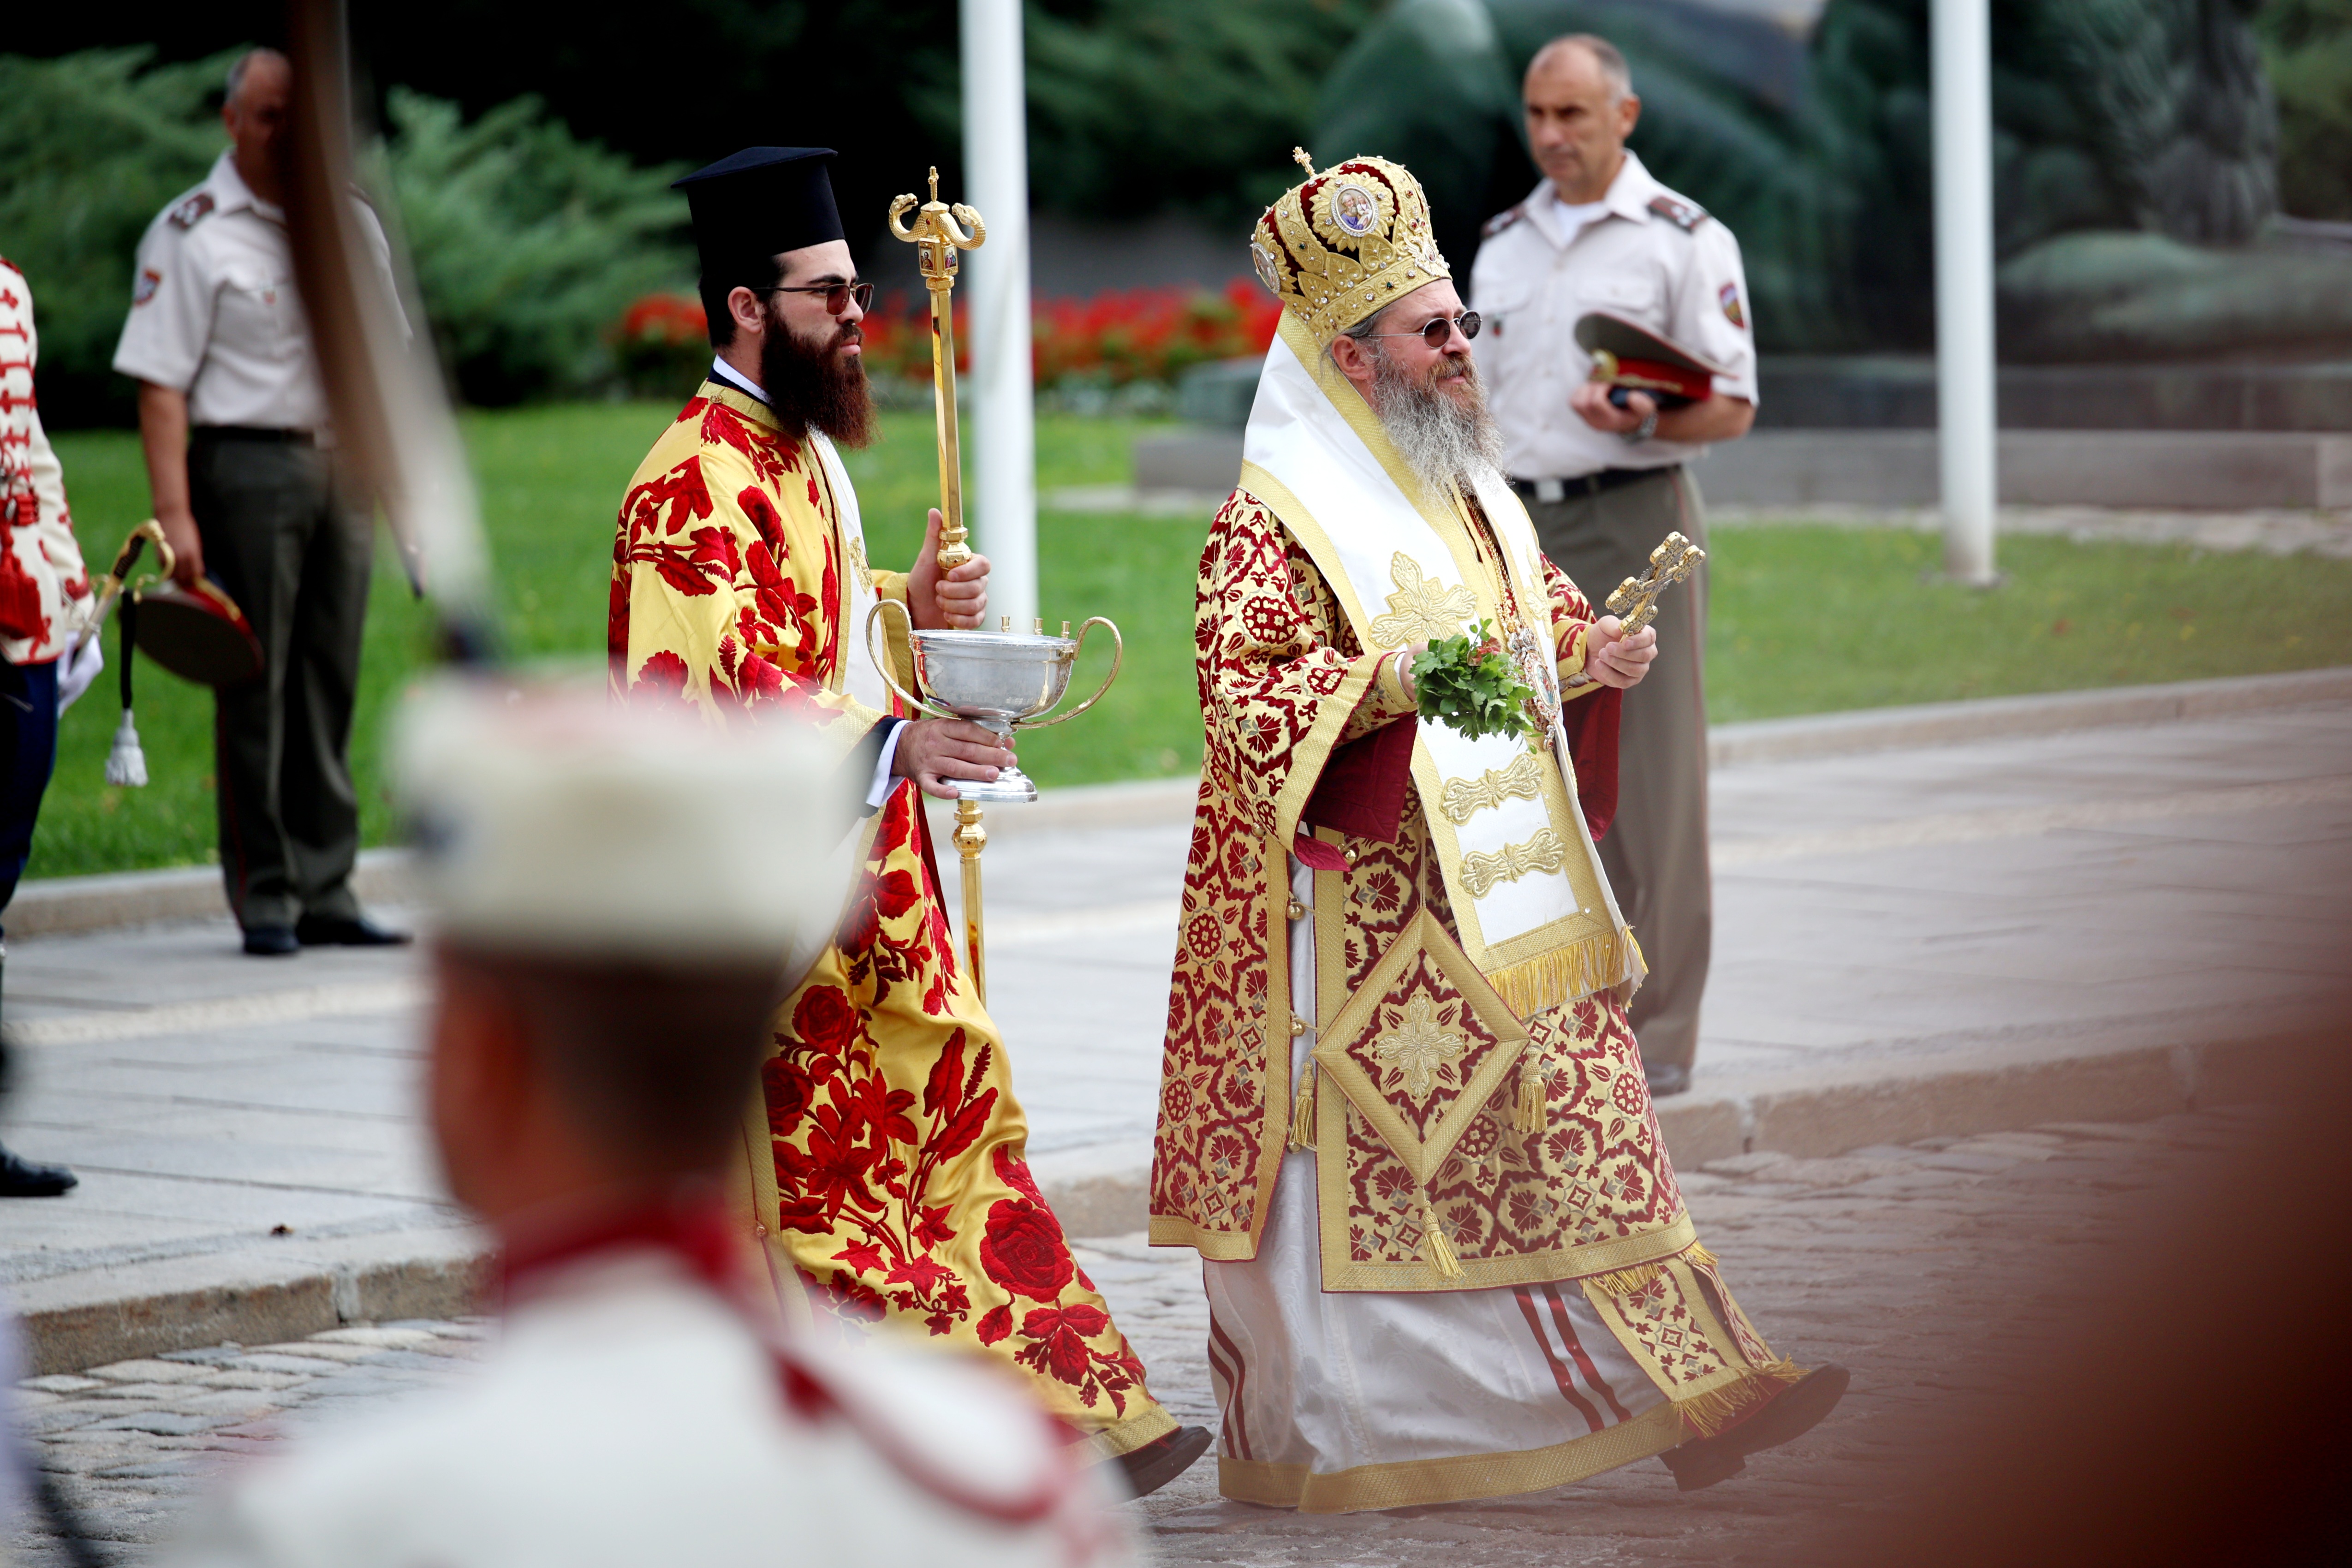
(551, 820)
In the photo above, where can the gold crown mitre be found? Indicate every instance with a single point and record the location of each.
(1346, 242)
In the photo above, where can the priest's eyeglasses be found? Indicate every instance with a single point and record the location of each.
(1440, 328)
(838, 296)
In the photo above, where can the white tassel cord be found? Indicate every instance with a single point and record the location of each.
(126, 764)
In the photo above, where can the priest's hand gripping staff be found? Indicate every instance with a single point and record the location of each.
(1002, 680)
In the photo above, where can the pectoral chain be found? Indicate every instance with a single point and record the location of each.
(1464, 798)
(1544, 852)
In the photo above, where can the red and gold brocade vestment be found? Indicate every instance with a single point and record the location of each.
(886, 1162)
(1471, 1103)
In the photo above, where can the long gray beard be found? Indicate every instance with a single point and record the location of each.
(1444, 441)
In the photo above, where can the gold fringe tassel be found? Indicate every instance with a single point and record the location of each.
(1527, 1113)
(1566, 973)
(1699, 1256)
(1302, 1110)
(1628, 1281)
(1435, 1249)
(1704, 1414)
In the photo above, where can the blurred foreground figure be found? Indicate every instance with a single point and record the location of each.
(1472, 1273)
(617, 891)
(45, 596)
(887, 1167)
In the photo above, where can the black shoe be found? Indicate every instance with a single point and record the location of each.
(346, 931)
(21, 1178)
(271, 942)
(1793, 1412)
(1664, 1079)
(1162, 1460)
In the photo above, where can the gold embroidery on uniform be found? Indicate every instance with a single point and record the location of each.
(1464, 798)
(1544, 852)
(1420, 1044)
(1420, 608)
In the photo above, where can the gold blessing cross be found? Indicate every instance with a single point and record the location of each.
(1635, 602)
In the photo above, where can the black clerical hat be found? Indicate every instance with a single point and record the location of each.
(761, 202)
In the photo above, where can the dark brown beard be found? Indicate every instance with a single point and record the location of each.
(811, 384)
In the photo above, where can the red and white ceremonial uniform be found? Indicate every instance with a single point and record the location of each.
(635, 1414)
(44, 586)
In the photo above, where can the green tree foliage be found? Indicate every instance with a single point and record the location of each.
(1135, 105)
(95, 144)
(527, 242)
(2308, 45)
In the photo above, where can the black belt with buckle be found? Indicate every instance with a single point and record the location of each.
(1585, 485)
(256, 433)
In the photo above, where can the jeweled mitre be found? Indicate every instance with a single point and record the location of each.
(1346, 242)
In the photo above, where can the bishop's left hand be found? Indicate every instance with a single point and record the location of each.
(1616, 659)
(939, 600)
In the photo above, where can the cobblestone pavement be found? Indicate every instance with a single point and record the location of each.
(1920, 1267)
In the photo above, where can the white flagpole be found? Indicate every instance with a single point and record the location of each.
(996, 174)
(1961, 52)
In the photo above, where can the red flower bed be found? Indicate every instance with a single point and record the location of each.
(1118, 336)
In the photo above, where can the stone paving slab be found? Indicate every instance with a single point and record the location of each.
(1917, 1266)
(1939, 940)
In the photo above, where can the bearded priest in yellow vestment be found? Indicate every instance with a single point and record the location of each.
(1401, 1117)
(884, 1167)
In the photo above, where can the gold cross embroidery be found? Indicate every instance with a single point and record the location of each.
(1464, 798)
(1544, 852)
(1417, 1047)
(1422, 609)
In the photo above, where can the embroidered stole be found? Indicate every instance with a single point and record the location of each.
(1531, 901)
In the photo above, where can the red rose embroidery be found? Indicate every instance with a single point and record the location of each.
(1022, 1250)
(824, 1019)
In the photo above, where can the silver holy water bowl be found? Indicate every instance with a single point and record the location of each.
(1001, 680)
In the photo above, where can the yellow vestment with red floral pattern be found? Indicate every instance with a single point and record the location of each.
(886, 1161)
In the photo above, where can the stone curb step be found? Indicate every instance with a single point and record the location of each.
(267, 1294)
(63, 905)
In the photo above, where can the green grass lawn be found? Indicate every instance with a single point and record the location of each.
(1806, 619)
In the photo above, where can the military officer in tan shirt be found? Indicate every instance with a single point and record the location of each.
(233, 415)
(1605, 483)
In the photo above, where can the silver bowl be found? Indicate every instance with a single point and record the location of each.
(1003, 681)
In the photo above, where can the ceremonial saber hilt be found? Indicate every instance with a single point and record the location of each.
(1635, 602)
(938, 232)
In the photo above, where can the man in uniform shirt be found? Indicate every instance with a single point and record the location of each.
(217, 339)
(1605, 484)
(618, 891)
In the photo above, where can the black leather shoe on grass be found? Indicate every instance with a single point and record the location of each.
(22, 1178)
(1664, 1079)
(271, 942)
(346, 931)
(1794, 1411)
(1162, 1460)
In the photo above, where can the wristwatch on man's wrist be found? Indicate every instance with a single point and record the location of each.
(1642, 432)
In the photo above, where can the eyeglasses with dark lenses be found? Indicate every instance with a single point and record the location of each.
(838, 296)
(1439, 329)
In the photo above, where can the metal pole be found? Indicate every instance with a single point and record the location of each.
(1004, 438)
(1961, 51)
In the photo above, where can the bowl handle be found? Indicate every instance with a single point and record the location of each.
(1117, 656)
(890, 677)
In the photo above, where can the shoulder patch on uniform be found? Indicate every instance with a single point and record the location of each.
(144, 289)
(189, 211)
(1685, 216)
(1502, 220)
(1729, 297)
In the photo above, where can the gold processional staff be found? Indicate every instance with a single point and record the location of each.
(1002, 680)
